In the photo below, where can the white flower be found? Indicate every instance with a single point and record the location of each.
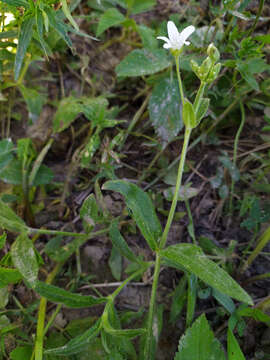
(176, 40)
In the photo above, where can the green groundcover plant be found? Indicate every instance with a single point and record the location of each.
(22, 166)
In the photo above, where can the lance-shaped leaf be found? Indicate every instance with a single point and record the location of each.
(202, 109)
(9, 220)
(24, 258)
(25, 36)
(77, 344)
(71, 300)
(192, 259)
(120, 243)
(142, 209)
(234, 350)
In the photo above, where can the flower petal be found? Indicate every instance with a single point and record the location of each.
(173, 33)
(186, 33)
(167, 46)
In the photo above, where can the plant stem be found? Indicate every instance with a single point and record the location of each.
(235, 148)
(177, 187)
(179, 78)
(257, 18)
(42, 315)
(148, 342)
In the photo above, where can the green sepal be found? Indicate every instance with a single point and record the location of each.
(202, 109)
(189, 117)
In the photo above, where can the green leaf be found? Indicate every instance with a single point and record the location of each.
(228, 164)
(9, 220)
(16, 3)
(12, 173)
(189, 117)
(90, 148)
(4, 294)
(111, 17)
(58, 25)
(224, 300)
(120, 243)
(71, 300)
(9, 276)
(192, 258)
(68, 14)
(142, 209)
(234, 351)
(25, 36)
(115, 263)
(90, 213)
(67, 111)
(191, 298)
(199, 343)
(77, 344)
(142, 62)
(6, 150)
(21, 352)
(139, 6)
(254, 313)
(34, 100)
(179, 299)
(147, 36)
(44, 176)
(201, 111)
(24, 258)
(165, 110)
(3, 238)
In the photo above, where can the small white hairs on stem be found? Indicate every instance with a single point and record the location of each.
(176, 40)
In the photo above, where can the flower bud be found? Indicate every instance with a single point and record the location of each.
(213, 53)
(205, 68)
(213, 73)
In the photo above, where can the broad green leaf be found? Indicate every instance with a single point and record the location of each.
(189, 117)
(9, 276)
(120, 243)
(142, 209)
(139, 6)
(21, 352)
(44, 176)
(192, 259)
(34, 100)
(77, 344)
(58, 295)
(10, 221)
(25, 36)
(24, 258)
(233, 349)
(67, 111)
(199, 343)
(6, 150)
(165, 110)
(12, 173)
(142, 62)
(147, 36)
(201, 111)
(111, 17)
(68, 14)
